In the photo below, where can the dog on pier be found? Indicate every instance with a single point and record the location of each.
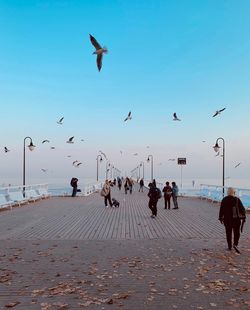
(115, 203)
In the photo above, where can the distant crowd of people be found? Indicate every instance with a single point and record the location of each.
(154, 192)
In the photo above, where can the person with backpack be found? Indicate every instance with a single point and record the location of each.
(175, 192)
(73, 183)
(167, 190)
(154, 195)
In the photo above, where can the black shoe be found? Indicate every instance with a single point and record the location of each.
(229, 249)
(236, 249)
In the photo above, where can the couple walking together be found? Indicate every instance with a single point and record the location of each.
(154, 195)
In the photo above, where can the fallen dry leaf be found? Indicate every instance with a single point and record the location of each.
(12, 304)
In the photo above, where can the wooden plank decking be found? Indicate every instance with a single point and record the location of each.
(86, 218)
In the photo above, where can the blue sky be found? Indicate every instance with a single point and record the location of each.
(188, 57)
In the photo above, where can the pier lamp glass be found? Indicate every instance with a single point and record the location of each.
(100, 159)
(216, 147)
(31, 146)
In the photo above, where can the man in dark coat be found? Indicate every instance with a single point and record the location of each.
(232, 212)
(141, 185)
(73, 183)
(153, 195)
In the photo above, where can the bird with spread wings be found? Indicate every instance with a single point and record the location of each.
(99, 51)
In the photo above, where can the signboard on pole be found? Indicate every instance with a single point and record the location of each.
(182, 161)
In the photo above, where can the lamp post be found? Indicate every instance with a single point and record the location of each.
(112, 172)
(107, 169)
(139, 172)
(98, 159)
(142, 165)
(31, 147)
(148, 160)
(216, 149)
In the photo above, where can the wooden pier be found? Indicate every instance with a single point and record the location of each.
(87, 218)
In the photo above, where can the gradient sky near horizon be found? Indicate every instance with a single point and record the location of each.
(189, 57)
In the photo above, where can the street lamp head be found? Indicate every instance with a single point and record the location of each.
(216, 147)
(31, 146)
(148, 159)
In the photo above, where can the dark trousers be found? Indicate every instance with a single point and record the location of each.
(167, 201)
(74, 191)
(175, 201)
(107, 199)
(233, 226)
(152, 204)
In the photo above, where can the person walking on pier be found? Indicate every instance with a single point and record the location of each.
(141, 183)
(175, 192)
(73, 183)
(130, 185)
(119, 183)
(233, 215)
(154, 194)
(167, 190)
(106, 193)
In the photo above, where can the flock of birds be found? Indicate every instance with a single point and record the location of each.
(99, 52)
(77, 163)
(70, 140)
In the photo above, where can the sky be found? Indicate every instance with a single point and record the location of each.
(189, 57)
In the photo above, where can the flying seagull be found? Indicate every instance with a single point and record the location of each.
(75, 162)
(78, 164)
(129, 117)
(135, 154)
(44, 170)
(60, 122)
(237, 165)
(52, 147)
(175, 117)
(99, 51)
(70, 140)
(45, 141)
(218, 112)
(6, 150)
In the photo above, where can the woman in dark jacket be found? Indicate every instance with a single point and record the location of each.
(231, 213)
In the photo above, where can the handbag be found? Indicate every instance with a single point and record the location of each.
(103, 192)
(237, 213)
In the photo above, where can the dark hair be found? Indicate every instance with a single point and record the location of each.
(173, 183)
(167, 183)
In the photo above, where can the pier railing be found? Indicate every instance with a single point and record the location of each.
(85, 190)
(215, 193)
(17, 195)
